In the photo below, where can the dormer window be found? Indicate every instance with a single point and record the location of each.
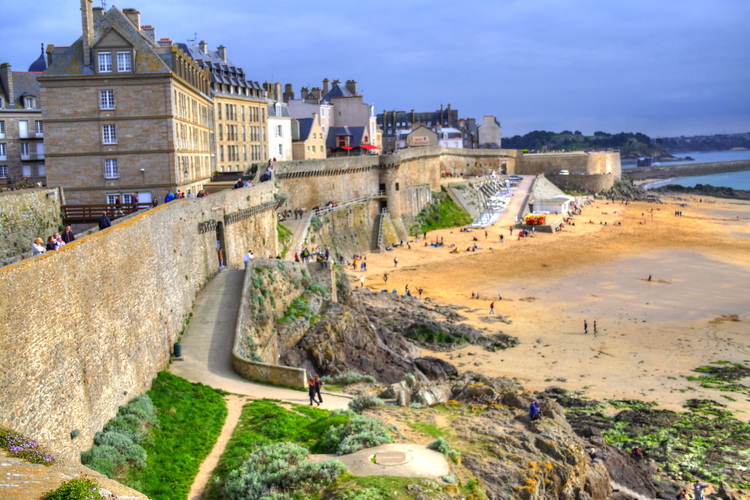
(124, 62)
(29, 103)
(105, 62)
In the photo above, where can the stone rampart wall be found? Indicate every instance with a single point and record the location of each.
(575, 163)
(26, 214)
(667, 171)
(593, 183)
(86, 328)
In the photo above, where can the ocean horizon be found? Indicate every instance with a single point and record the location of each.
(734, 180)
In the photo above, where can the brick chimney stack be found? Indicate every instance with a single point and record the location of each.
(150, 31)
(98, 13)
(351, 86)
(87, 22)
(222, 52)
(288, 92)
(326, 87)
(277, 91)
(203, 47)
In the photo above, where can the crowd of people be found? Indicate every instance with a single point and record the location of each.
(54, 242)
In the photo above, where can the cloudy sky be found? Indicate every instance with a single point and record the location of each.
(661, 67)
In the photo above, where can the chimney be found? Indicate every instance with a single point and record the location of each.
(134, 16)
(203, 47)
(316, 94)
(87, 21)
(288, 92)
(303, 93)
(98, 13)
(222, 52)
(351, 86)
(150, 31)
(165, 42)
(277, 91)
(6, 80)
(326, 88)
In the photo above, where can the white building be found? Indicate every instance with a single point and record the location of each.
(449, 137)
(279, 131)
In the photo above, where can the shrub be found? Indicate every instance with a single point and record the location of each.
(444, 447)
(119, 443)
(361, 402)
(349, 378)
(80, 488)
(358, 433)
(315, 222)
(279, 468)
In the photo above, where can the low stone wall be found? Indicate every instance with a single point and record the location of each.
(667, 171)
(26, 214)
(86, 328)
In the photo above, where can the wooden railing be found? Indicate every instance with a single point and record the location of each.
(86, 214)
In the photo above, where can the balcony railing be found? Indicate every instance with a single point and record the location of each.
(32, 156)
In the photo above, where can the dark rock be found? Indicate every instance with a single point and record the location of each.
(435, 369)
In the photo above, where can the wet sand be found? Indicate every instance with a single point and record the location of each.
(649, 334)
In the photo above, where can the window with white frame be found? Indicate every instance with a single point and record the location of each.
(110, 169)
(281, 150)
(279, 131)
(106, 99)
(41, 170)
(2, 129)
(123, 62)
(3, 151)
(26, 170)
(29, 102)
(112, 198)
(25, 149)
(3, 170)
(105, 62)
(109, 134)
(38, 127)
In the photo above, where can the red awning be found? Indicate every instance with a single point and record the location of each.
(346, 147)
(368, 146)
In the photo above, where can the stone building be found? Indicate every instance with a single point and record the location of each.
(489, 133)
(240, 104)
(125, 113)
(421, 135)
(395, 123)
(309, 139)
(21, 125)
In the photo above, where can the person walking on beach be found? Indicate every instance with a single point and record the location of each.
(501, 239)
(395, 262)
(420, 293)
(511, 230)
(492, 308)
(698, 490)
(585, 326)
(595, 332)
(385, 277)
(361, 281)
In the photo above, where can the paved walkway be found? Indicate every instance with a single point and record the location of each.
(208, 340)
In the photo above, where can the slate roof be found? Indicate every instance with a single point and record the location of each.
(305, 126)
(283, 110)
(356, 134)
(68, 61)
(337, 90)
(222, 71)
(24, 84)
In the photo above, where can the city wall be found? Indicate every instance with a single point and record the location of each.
(593, 172)
(26, 214)
(667, 171)
(86, 328)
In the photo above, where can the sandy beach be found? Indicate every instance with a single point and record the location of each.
(650, 334)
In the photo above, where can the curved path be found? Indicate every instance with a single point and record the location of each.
(208, 340)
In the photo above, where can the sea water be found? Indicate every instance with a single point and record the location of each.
(734, 180)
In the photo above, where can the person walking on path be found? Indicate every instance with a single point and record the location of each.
(585, 326)
(311, 391)
(492, 308)
(318, 384)
(104, 221)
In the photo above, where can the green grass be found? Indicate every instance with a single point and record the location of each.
(264, 422)
(430, 430)
(442, 213)
(190, 419)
